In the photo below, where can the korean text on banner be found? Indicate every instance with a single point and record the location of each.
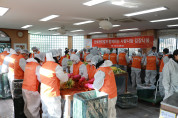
(126, 42)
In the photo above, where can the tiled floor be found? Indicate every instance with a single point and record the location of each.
(143, 110)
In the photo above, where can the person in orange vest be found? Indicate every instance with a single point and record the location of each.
(123, 60)
(30, 86)
(19, 65)
(106, 55)
(150, 62)
(70, 52)
(91, 69)
(2, 56)
(35, 51)
(78, 69)
(114, 57)
(137, 62)
(51, 75)
(164, 60)
(11, 68)
(105, 82)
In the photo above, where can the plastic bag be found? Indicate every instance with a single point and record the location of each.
(5, 87)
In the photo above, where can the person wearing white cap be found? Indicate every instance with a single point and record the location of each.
(11, 68)
(2, 56)
(113, 57)
(19, 65)
(78, 69)
(151, 71)
(106, 55)
(30, 86)
(35, 51)
(6, 62)
(51, 74)
(104, 81)
(123, 59)
(18, 50)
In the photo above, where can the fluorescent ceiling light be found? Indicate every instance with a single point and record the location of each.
(77, 30)
(85, 22)
(26, 26)
(37, 33)
(176, 25)
(146, 11)
(49, 17)
(129, 29)
(113, 26)
(95, 32)
(3, 10)
(162, 20)
(122, 2)
(56, 34)
(94, 2)
(54, 28)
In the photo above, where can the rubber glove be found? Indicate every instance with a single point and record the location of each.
(89, 86)
(76, 77)
(91, 81)
(70, 75)
(82, 79)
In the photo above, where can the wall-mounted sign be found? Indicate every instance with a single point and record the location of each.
(125, 42)
(20, 45)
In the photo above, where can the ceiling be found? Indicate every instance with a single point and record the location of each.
(28, 12)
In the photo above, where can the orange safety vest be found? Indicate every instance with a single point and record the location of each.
(122, 59)
(12, 62)
(113, 58)
(85, 55)
(106, 56)
(91, 71)
(137, 62)
(109, 86)
(2, 56)
(60, 60)
(76, 68)
(33, 55)
(50, 84)
(162, 64)
(18, 72)
(151, 63)
(30, 81)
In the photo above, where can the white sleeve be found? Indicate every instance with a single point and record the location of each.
(142, 61)
(127, 59)
(71, 69)
(165, 59)
(83, 71)
(109, 57)
(60, 74)
(5, 64)
(22, 63)
(145, 62)
(64, 63)
(99, 80)
(38, 73)
(157, 61)
(166, 78)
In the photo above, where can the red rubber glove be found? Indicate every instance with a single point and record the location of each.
(81, 80)
(70, 75)
(91, 81)
(89, 86)
(76, 77)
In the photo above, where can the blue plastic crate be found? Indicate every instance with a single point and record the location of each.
(91, 104)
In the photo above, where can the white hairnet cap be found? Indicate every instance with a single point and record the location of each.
(24, 51)
(12, 51)
(18, 49)
(75, 58)
(34, 48)
(94, 51)
(41, 56)
(96, 59)
(89, 57)
(114, 51)
(6, 49)
(55, 53)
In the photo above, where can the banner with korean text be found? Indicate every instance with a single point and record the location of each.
(125, 42)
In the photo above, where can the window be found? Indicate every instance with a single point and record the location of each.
(168, 42)
(46, 43)
(78, 42)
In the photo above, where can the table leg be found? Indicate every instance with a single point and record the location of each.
(126, 79)
(67, 107)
